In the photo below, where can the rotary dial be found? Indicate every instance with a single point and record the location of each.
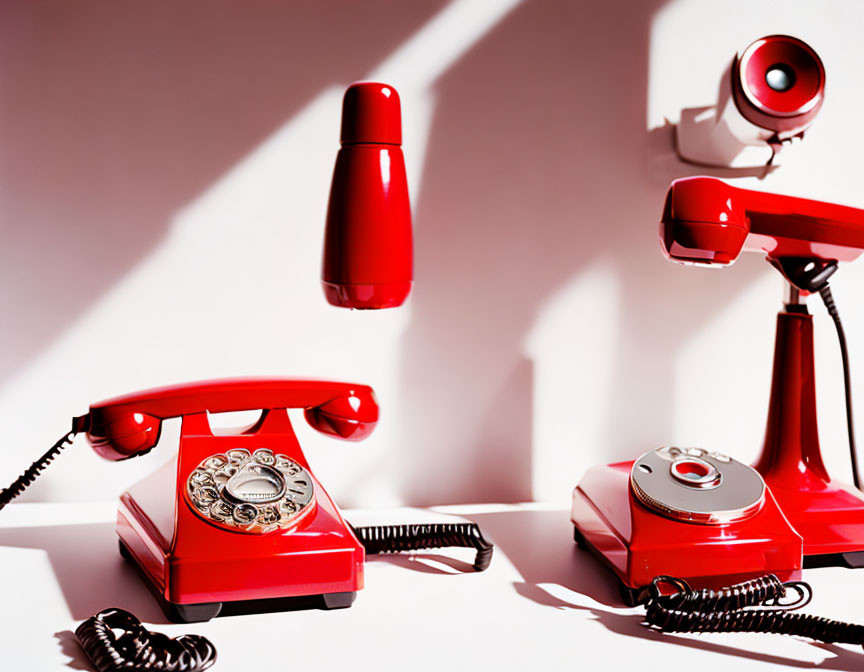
(256, 492)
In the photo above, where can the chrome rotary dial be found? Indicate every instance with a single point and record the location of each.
(251, 492)
(697, 486)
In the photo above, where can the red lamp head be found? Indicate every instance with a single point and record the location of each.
(368, 243)
(778, 83)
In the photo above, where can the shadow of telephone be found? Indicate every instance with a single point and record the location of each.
(239, 524)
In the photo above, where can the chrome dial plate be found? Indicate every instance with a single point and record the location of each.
(256, 492)
(697, 486)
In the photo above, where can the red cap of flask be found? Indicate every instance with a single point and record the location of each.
(371, 113)
(368, 242)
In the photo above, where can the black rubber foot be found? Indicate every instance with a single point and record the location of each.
(632, 596)
(579, 539)
(124, 552)
(338, 600)
(274, 604)
(854, 560)
(191, 613)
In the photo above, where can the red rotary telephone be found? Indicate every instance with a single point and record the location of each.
(187, 546)
(239, 524)
(703, 516)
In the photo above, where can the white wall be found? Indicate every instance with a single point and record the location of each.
(165, 174)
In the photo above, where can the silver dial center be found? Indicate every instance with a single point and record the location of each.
(251, 492)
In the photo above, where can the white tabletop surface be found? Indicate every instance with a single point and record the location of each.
(542, 605)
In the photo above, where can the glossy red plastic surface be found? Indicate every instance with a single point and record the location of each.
(707, 221)
(789, 110)
(367, 297)
(829, 515)
(371, 113)
(368, 257)
(191, 561)
(638, 544)
(125, 426)
(805, 512)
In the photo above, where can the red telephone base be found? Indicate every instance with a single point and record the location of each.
(198, 570)
(830, 518)
(198, 613)
(638, 544)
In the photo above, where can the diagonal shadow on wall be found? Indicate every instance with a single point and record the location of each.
(116, 115)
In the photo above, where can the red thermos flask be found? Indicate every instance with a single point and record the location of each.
(368, 242)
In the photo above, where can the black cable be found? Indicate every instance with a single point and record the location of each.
(138, 649)
(740, 596)
(401, 538)
(24, 480)
(753, 606)
(828, 299)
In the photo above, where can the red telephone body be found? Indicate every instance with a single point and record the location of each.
(235, 523)
(638, 544)
(806, 517)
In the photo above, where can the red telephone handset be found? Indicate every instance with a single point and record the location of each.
(127, 426)
(706, 221)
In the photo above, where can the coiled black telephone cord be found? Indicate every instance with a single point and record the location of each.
(751, 606)
(404, 538)
(138, 649)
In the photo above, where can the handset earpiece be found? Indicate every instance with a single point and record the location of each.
(703, 222)
(118, 434)
(350, 416)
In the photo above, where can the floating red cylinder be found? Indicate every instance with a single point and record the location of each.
(368, 255)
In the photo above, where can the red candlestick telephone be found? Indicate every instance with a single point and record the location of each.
(705, 517)
(239, 523)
